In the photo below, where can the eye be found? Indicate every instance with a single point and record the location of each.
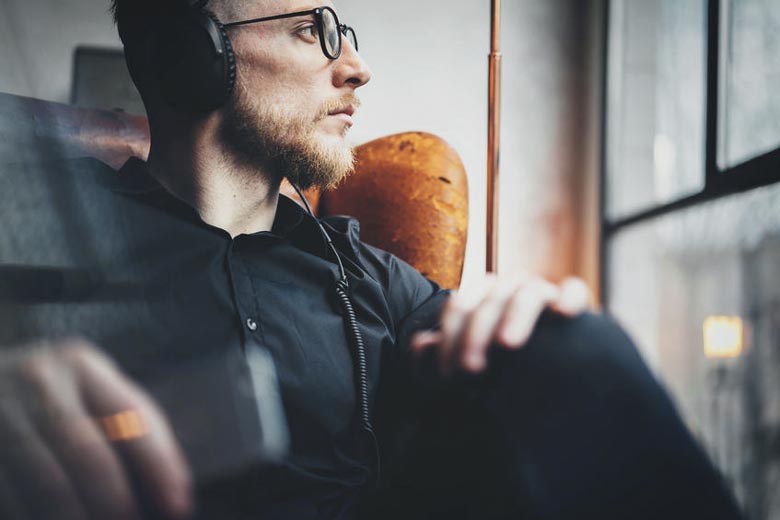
(309, 32)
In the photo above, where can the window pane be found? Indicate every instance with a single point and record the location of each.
(656, 103)
(752, 74)
(698, 289)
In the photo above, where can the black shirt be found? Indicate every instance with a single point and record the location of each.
(146, 279)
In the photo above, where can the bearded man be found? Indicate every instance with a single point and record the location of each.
(239, 97)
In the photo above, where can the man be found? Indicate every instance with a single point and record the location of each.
(226, 265)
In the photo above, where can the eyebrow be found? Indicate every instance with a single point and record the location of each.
(274, 17)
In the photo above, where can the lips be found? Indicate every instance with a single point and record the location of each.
(344, 114)
(348, 110)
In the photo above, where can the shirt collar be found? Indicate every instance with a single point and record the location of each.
(134, 178)
(293, 223)
(290, 222)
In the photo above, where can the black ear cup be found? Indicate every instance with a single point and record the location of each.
(230, 59)
(194, 62)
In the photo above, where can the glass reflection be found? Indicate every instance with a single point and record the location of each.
(704, 281)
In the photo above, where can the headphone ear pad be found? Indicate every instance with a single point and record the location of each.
(194, 62)
(230, 60)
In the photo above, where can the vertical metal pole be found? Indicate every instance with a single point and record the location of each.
(494, 126)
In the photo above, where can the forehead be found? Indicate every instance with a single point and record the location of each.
(273, 7)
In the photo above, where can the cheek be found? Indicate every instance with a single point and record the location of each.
(271, 72)
(256, 62)
(279, 87)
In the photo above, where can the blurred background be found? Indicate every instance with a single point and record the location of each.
(640, 150)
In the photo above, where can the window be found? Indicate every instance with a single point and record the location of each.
(751, 59)
(657, 88)
(691, 219)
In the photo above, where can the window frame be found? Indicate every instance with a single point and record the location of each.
(758, 171)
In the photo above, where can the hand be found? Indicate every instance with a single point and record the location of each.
(56, 459)
(499, 311)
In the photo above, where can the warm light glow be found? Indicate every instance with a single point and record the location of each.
(124, 426)
(723, 336)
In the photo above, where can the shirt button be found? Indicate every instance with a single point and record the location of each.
(251, 324)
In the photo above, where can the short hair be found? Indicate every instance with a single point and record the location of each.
(137, 22)
(141, 22)
(134, 17)
(131, 15)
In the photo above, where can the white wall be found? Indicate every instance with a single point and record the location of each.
(429, 59)
(429, 63)
(37, 40)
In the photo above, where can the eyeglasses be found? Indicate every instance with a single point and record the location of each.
(328, 27)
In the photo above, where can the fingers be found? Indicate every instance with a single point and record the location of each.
(498, 311)
(523, 311)
(93, 467)
(457, 322)
(424, 340)
(481, 326)
(147, 444)
(34, 484)
(472, 320)
(506, 314)
(575, 297)
(58, 461)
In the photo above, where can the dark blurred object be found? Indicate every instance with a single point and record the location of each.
(193, 394)
(36, 130)
(38, 284)
(224, 429)
(409, 190)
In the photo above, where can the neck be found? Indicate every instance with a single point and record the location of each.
(226, 191)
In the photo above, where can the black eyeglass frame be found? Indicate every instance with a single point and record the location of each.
(342, 29)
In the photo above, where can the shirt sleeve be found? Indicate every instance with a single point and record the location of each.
(414, 301)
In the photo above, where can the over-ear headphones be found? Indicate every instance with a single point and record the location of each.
(192, 59)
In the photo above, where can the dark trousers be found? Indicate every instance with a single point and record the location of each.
(573, 426)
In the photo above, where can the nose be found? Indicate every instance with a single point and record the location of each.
(350, 69)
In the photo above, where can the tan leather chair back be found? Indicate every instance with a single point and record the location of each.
(410, 194)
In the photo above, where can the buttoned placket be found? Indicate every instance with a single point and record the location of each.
(245, 300)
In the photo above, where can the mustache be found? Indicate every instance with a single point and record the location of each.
(337, 104)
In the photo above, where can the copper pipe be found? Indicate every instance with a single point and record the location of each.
(494, 127)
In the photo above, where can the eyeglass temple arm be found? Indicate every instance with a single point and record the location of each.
(269, 18)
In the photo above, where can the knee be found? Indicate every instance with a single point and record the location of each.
(588, 357)
(589, 340)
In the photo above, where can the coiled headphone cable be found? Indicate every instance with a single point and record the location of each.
(355, 339)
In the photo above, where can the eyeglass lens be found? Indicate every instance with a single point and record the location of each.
(330, 31)
(350, 34)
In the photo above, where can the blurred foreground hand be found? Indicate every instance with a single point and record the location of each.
(79, 440)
